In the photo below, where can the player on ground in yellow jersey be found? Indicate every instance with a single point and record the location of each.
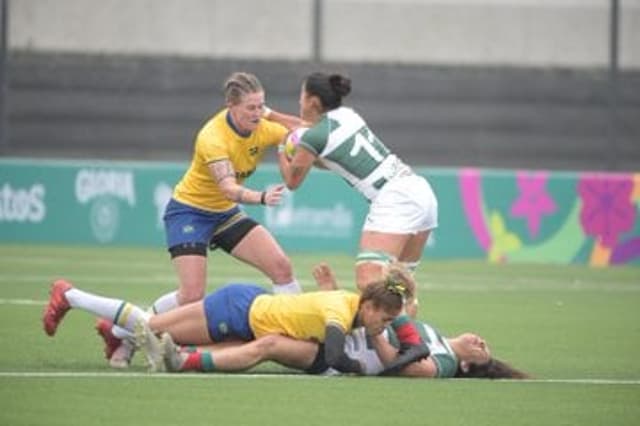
(205, 211)
(246, 312)
(466, 355)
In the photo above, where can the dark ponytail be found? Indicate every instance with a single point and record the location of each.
(329, 88)
(341, 85)
(494, 369)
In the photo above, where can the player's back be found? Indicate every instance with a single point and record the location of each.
(303, 316)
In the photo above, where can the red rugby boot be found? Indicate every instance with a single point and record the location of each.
(57, 307)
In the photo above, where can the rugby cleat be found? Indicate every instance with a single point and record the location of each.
(150, 345)
(174, 356)
(57, 307)
(111, 342)
(123, 354)
(118, 351)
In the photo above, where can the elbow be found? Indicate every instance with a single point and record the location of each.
(292, 186)
(293, 183)
(229, 192)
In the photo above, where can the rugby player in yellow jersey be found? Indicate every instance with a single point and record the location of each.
(245, 312)
(205, 211)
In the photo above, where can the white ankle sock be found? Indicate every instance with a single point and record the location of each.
(291, 288)
(165, 303)
(122, 333)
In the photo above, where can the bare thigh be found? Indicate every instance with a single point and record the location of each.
(187, 324)
(414, 247)
(293, 353)
(404, 247)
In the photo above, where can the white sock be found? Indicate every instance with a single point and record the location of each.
(290, 288)
(165, 303)
(116, 310)
(122, 333)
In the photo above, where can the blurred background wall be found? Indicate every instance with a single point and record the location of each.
(489, 83)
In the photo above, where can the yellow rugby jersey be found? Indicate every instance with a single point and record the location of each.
(217, 141)
(303, 316)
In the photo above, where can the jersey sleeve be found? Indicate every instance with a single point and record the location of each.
(211, 148)
(315, 139)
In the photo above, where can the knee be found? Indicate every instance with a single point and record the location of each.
(189, 294)
(266, 344)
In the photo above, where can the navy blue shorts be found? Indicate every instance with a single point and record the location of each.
(184, 224)
(227, 311)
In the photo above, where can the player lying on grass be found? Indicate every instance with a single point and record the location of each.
(466, 355)
(246, 312)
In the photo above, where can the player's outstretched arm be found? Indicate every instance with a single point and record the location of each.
(414, 362)
(334, 352)
(287, 120)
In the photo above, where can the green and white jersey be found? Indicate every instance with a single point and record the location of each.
(347, 146)
(441, 351)
(357, 346)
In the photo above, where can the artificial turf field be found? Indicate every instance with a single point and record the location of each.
(575, 329)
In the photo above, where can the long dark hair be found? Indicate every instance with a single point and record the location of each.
(494, 369)
(329, 88)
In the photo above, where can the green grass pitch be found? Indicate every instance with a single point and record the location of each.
(575, 329)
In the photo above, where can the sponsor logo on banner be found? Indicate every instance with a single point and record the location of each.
(334, 221)
(105, 190)
(22, 204)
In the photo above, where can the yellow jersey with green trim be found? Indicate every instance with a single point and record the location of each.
(218, 140)
(303, 316)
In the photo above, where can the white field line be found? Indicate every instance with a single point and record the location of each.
(31, 302)
(92, 279)
(308, 285)
(226, 271)
(93, 261)
(223, 376)
(149, 272)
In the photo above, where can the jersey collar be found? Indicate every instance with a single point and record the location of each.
(234, 128)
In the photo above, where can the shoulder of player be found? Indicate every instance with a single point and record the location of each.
(214, 126)
(319, 132)
(337, 294)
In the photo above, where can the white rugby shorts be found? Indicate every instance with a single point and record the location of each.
(404, 205)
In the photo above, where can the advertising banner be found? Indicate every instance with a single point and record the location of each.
(500, 216)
